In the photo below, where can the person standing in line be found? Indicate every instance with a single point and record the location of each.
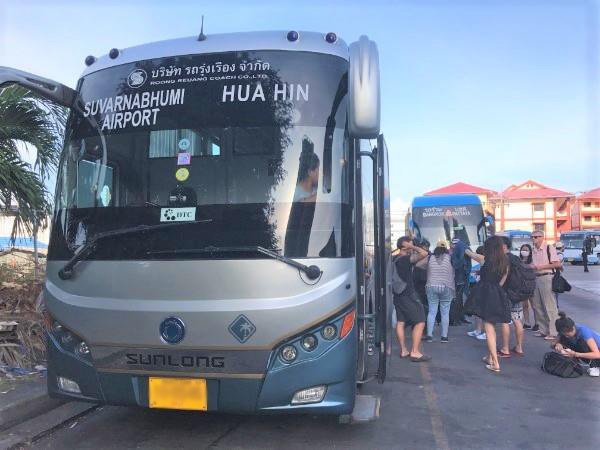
(585, 251)
(490, 300)
(440, 289)
(516, 314)
(525, 254)
(560, 249)
(462, 270)
(409, 309)
(478, 332)
(545, 260)
(420, 274)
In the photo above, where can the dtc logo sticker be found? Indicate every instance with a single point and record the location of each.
(177, 214)
(137, 78)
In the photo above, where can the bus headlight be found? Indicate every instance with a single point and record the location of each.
(289, 353)
(309, 342)
(65, 338)
(329, 332)
(82, 349)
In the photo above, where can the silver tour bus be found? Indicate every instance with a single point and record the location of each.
(221, 234)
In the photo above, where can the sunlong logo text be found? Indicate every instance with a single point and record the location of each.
(157, 360)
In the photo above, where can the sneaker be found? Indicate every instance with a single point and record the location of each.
(444, 340)
(481, 337)
(535, 328)
(473, 333)
(592, 371)
(428, 338)
(527, 326)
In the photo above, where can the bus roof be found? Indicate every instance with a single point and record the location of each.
(514, 232)
(445, 200)
(227, 42)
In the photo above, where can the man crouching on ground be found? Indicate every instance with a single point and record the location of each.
(409, 310)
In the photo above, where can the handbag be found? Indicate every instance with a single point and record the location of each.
(559, 283)
(561, 366)
(471, 308)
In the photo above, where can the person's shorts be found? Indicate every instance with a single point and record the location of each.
(516, 312)
(409, 309)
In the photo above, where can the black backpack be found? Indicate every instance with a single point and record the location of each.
(398, 284)
(561, 366)
(520, 283)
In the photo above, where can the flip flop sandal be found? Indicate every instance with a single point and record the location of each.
(503, 355)
(486, 359)
(404, 356)
(538, 334)
(492, 368)
(514, 352)
(422, 358)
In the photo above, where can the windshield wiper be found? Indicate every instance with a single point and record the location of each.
(91, 246)
(312, 272)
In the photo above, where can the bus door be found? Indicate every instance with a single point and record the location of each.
(373, 261)
(383, 253)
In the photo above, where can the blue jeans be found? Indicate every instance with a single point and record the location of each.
(442, 298)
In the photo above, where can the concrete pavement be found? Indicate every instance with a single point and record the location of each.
(589, 281)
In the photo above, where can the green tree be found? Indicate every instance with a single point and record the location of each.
(28, 122)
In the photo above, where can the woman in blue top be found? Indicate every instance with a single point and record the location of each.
(578, 341)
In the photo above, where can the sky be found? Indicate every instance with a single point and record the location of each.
(486, 92)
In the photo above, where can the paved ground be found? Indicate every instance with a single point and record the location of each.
(587, 281)
(451, 403)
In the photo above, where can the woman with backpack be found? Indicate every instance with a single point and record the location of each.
(440, 289)
(578, 341)
(519, 286)
(489, 298)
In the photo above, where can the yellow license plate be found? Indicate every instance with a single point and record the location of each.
(177, 393)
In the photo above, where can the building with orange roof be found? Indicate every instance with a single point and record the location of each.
(532, 206)
(585, 213)
(464, 188)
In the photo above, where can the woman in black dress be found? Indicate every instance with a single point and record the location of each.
(490, 301)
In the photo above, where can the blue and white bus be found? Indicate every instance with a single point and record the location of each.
(517, 239)
(573, 246)
(446, 217)
(221, 237)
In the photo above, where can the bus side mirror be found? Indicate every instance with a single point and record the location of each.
(364, 109)
(52, 90)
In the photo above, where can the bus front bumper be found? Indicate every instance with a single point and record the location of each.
(271, 393)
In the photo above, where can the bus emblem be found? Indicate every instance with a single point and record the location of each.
(241, 328)
(172, 330)
(137, 78)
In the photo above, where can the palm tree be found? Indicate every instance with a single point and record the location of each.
(28, 121)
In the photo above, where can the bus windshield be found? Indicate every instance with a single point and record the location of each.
(251, 144)
(436, 223)
(518, 240)
(572, 240)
